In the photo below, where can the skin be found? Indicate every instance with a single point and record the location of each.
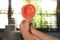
(30, 33)
(24, 29)
(42, 35)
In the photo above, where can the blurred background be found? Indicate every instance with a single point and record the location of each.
(47, 18)
(45, 15)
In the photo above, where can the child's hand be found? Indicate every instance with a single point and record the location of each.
(24, 26)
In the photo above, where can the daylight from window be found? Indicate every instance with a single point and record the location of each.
(42, 6)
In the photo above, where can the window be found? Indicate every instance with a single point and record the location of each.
(45, 13)
(16, 7)
(3, 13)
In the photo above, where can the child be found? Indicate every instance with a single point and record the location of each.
(30, 33)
